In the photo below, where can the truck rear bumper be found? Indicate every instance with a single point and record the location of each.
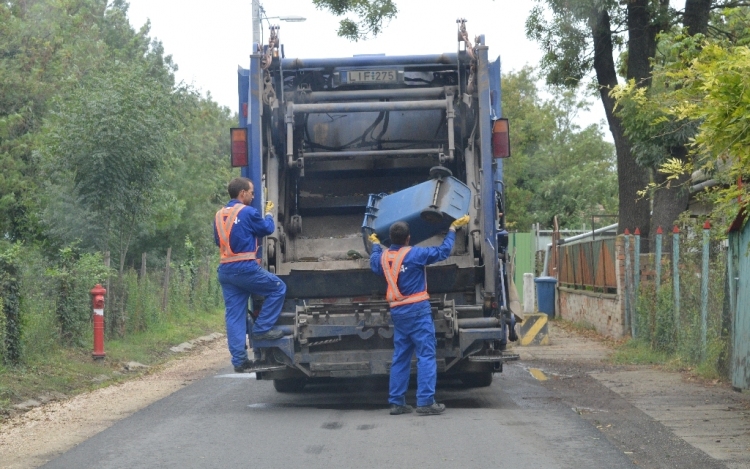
(350, 364)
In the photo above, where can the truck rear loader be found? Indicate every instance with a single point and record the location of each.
(342, 145)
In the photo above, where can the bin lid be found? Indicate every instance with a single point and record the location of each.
(545, 280)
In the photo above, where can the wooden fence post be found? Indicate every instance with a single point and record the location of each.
(628, 285)
(165, 299)
(657, 279)
(676, 279)
(704, 288)
(112, 295)
(143, 265)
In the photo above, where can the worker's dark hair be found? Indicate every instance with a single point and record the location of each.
(398, 232)
(238, 185)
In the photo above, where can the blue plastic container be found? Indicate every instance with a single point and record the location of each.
(545, 294)
(428, 208)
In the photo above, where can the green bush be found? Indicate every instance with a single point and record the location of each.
(10, 293)
(681, 337)
(73, 277)
(55, 310)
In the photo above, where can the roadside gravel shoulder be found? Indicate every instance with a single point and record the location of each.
(31, 439)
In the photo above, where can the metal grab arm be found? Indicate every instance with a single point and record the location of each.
(352, 153)
(412, 61)
(388, 93)
(373, 106)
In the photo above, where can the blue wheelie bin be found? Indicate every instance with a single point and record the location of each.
(545, 294)
(429, 208)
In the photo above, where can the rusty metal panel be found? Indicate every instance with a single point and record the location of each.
(584, 266)
(608, 248)
(588, 265)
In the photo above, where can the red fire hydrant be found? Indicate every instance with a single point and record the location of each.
(97, 302)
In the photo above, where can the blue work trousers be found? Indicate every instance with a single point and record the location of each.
(413, 333)
(237, 285)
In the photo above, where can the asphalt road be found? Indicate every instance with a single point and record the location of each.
(232, 420)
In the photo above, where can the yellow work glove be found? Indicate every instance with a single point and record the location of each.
(459, 222)
(269, 208)
(374, 239)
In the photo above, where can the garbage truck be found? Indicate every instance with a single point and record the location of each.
(344, 146)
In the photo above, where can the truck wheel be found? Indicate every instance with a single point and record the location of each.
(289, 385)
(477, 380)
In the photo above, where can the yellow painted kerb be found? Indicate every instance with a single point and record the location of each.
(534, 330)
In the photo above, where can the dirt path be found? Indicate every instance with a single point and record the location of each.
(31, 439)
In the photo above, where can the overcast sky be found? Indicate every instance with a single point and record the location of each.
(209, 40)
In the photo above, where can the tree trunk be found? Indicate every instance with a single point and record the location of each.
(670, 201)
(633, 210)
(695, 18)
(143, 266)
(641, 42)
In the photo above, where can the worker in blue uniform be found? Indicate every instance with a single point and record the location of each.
(414, 331)
(237, 229)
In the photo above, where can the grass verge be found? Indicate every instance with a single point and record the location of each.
(640, 352)
(55, 373)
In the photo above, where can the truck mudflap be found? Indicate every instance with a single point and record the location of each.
(469, 337)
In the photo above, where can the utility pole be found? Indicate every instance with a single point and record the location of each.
(256, 22)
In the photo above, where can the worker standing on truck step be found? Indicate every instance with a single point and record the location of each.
(404, 269)
(237, 228)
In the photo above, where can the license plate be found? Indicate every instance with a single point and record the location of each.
(372, 76)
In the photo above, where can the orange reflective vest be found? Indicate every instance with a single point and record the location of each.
(225, 219)
(391, 262)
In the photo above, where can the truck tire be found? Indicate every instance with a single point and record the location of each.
(477, 380)
(289, 385)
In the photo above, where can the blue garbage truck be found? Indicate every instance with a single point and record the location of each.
(344, 146)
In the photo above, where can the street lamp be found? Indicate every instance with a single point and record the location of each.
(288, 19)
(259, 13)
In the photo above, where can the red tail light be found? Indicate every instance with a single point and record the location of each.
(500, 139)
(239, 147)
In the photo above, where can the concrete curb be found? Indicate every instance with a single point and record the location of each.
(189, 345)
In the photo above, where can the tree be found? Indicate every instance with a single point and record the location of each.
(370, 16)
(47, 49)
(39, 41)
(581, 36)
(557, 169)
(702, 88)
(194, 178)
(110, 136)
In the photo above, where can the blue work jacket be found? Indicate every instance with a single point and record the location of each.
(412, 279)
(248, 227)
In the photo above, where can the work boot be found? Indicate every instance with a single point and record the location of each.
(433, 409)
(401, 409)
(273, 334)
(244, 366)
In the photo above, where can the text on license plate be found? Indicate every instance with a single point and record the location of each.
(379, 76)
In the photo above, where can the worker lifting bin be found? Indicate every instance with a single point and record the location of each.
(429, 208)
(545, 292)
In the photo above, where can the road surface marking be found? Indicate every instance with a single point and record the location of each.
(237, 375)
